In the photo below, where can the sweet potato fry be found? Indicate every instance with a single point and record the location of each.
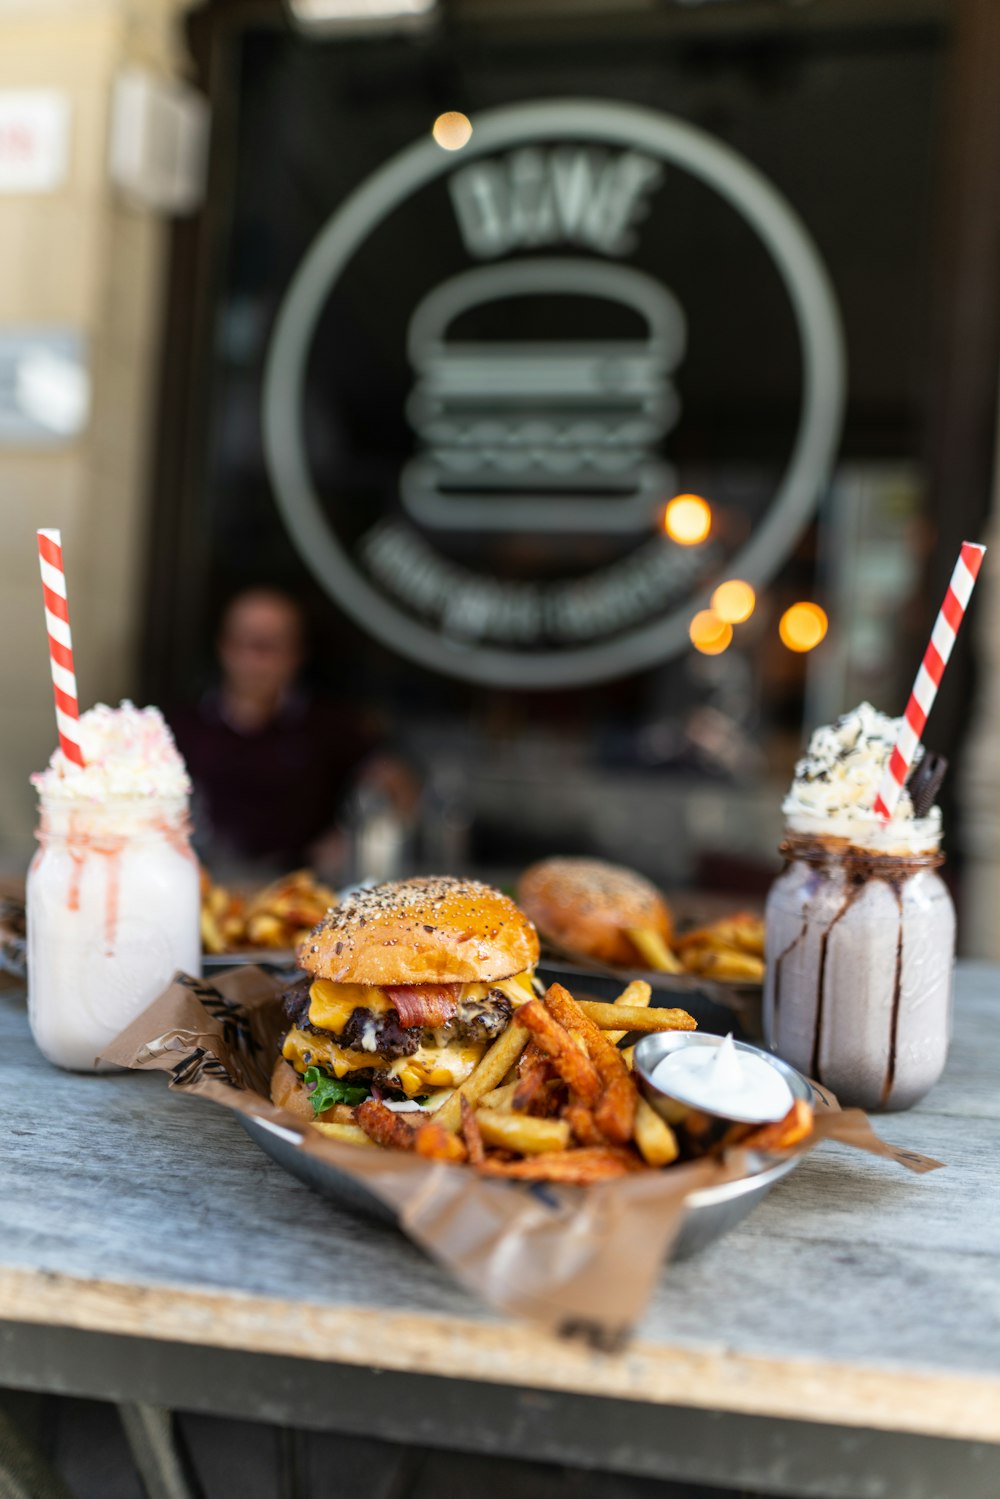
(522, 1133)
(575, 1167)
(614, 1111)
(471, 1134)
(435, 1143)
(583, 1124)
(613, 1017)
(795, 1126)
(491, 1071)
(534, 1070)
(385, 1127)
(572, 1063)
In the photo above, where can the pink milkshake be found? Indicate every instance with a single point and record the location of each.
(113, 891)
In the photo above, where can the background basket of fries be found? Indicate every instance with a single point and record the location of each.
(272, 920)
(728, 950)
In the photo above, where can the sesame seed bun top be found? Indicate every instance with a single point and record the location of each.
(432, 930)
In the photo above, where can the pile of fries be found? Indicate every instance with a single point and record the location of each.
(731, 949)
(278, 917)
(553, 1099)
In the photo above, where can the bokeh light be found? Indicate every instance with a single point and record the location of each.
(452, 130)
(734, 601)
(687, 519)
(710, 634)
(803, 626)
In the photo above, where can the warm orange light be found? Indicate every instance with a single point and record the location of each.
(452, 130)
(709, 634)
(734, 601)
(803, 626)
(687, 519)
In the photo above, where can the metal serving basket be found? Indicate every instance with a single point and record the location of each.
(709, 1213)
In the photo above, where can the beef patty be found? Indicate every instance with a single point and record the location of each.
(381, 1033)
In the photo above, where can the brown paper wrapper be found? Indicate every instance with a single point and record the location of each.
(580, 1261)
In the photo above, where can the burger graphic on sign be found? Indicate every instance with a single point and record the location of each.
(547, 434)
(516, 540)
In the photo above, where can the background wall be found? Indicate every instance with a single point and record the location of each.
(78, 258)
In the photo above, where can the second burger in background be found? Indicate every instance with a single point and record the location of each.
(601, 911)
(405, 986)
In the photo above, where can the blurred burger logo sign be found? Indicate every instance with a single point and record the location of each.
(511, 532)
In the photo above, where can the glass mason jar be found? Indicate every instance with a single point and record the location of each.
(860, 953)
(113, 904)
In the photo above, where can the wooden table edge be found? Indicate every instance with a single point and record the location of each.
(955, 1405)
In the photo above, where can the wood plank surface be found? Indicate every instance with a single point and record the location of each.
(856, 1294)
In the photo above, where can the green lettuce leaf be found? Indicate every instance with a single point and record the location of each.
(324, 1091)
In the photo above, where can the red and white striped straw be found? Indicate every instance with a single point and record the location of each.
(60, 644)
(950, 616)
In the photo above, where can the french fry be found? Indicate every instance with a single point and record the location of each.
(337, 1113)
(579, 1168)
(614, 1112)
(743, 931)
(212, 939)
(613, 1017)
(277, 916)
(635, 995)
(572, 1063)
(656, 1140)
(796, 1125)
(435, 1143)
(350, 1134)
(265, 930)
(724, 963)
(499, 1098)
(653, 950)
(522, 1133)
(491, 1071)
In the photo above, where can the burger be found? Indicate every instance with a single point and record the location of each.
(405, 985)
(598, 910)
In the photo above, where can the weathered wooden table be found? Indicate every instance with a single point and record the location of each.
(844, 1341)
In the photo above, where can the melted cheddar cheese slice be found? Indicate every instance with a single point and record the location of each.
(331, 1005)
(429, 1067)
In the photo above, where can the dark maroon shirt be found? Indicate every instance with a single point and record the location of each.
(263, 797)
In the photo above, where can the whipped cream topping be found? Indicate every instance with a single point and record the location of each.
(724, 1080)
(841, 771)
(128, 752)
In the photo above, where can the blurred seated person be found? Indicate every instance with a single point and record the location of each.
(272, 760)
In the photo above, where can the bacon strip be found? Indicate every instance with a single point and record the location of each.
(424, 1005)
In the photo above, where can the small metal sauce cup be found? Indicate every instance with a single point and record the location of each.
(698, 1130)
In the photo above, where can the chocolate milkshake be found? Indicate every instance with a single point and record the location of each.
(860, 926)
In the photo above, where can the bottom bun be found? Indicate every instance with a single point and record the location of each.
(288, 1091)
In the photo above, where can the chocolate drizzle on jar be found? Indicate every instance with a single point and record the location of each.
(843, 870)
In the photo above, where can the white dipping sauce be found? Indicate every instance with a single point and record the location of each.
(722, 1080)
